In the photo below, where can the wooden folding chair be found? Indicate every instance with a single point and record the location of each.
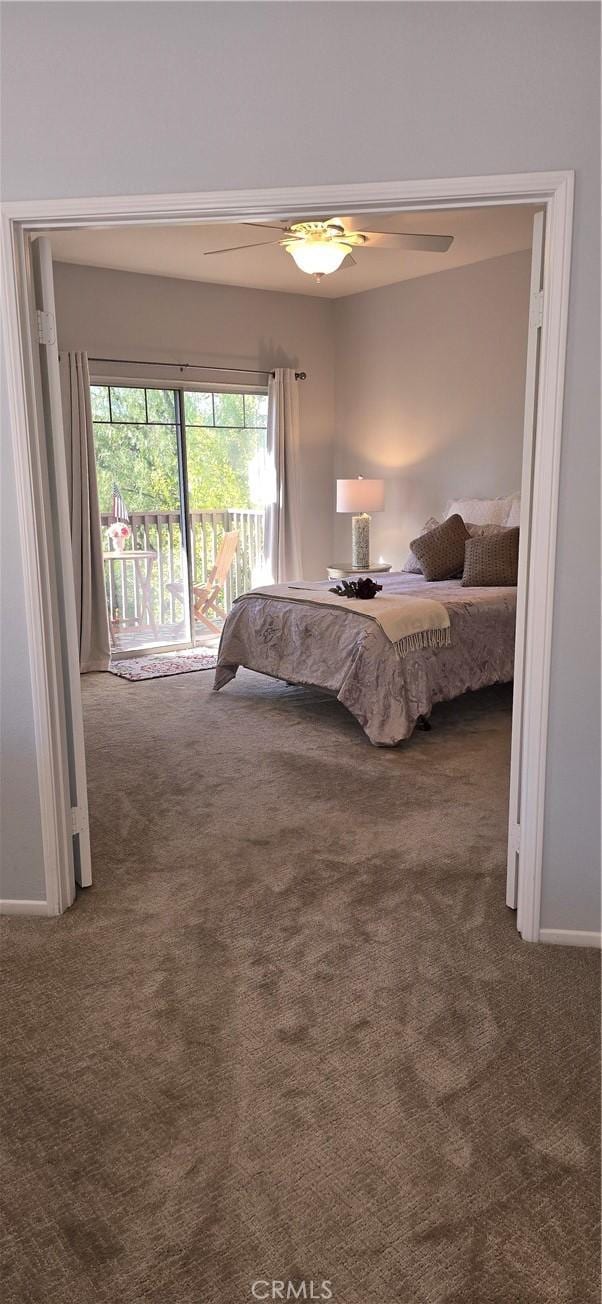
(205, 597)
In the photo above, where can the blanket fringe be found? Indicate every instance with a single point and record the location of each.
(424, 638)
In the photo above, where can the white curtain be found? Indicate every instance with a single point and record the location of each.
(282, 513)
(86, 541)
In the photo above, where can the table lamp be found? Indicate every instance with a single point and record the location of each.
(360, 497)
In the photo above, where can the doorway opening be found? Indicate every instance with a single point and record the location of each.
(554, 193)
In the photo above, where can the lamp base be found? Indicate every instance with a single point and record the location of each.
(360, 541)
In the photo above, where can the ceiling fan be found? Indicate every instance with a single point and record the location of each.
(321, 247)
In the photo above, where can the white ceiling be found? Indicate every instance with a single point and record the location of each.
(179, 251)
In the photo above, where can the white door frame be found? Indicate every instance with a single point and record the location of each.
(553, 191)
(529, 429)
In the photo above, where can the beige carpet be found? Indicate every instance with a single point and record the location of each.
(291, 1032)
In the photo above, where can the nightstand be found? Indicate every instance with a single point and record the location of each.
(341, 569)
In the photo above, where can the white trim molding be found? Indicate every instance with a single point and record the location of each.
(25, 908)
(542, 555)
(570, 937)
(293, 201)
(40, 614)
(554, 192)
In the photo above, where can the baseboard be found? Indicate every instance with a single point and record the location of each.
(24, 908)
(570, 937)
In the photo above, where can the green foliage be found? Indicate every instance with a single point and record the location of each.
(143, 461)
(217, 467)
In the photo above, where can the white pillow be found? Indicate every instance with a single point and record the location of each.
(411, 564)
(483, 531)
(482, 511)
(513, 517)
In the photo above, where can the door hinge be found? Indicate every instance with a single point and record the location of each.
(46, 327)
(79, 819)
(537, 309)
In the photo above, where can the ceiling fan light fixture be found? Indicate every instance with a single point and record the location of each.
(317, 257)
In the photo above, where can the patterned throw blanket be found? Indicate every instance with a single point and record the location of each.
(409, 622)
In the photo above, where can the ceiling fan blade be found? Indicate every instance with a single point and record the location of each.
(349, 261)
(434, 244)
(267, 226)
(257, 244)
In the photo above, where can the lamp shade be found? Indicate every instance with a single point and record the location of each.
(317, 257)
(360, 495)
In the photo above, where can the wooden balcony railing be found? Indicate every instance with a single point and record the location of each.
(160, 533)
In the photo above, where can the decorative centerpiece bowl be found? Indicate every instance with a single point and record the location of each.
(362, 588)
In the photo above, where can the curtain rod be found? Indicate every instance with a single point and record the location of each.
(194, 366)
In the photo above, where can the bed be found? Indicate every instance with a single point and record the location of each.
(305, 643)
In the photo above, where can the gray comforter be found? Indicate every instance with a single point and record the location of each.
(352, 657)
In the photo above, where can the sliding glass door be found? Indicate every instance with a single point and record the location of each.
(164, 456)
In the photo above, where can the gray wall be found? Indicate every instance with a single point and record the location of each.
(127, 98)
(430, 393)
(128, 315)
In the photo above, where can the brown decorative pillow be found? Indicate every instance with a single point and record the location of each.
(492, 560)
(441, 551)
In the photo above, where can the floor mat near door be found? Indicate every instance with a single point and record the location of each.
(164, 664)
